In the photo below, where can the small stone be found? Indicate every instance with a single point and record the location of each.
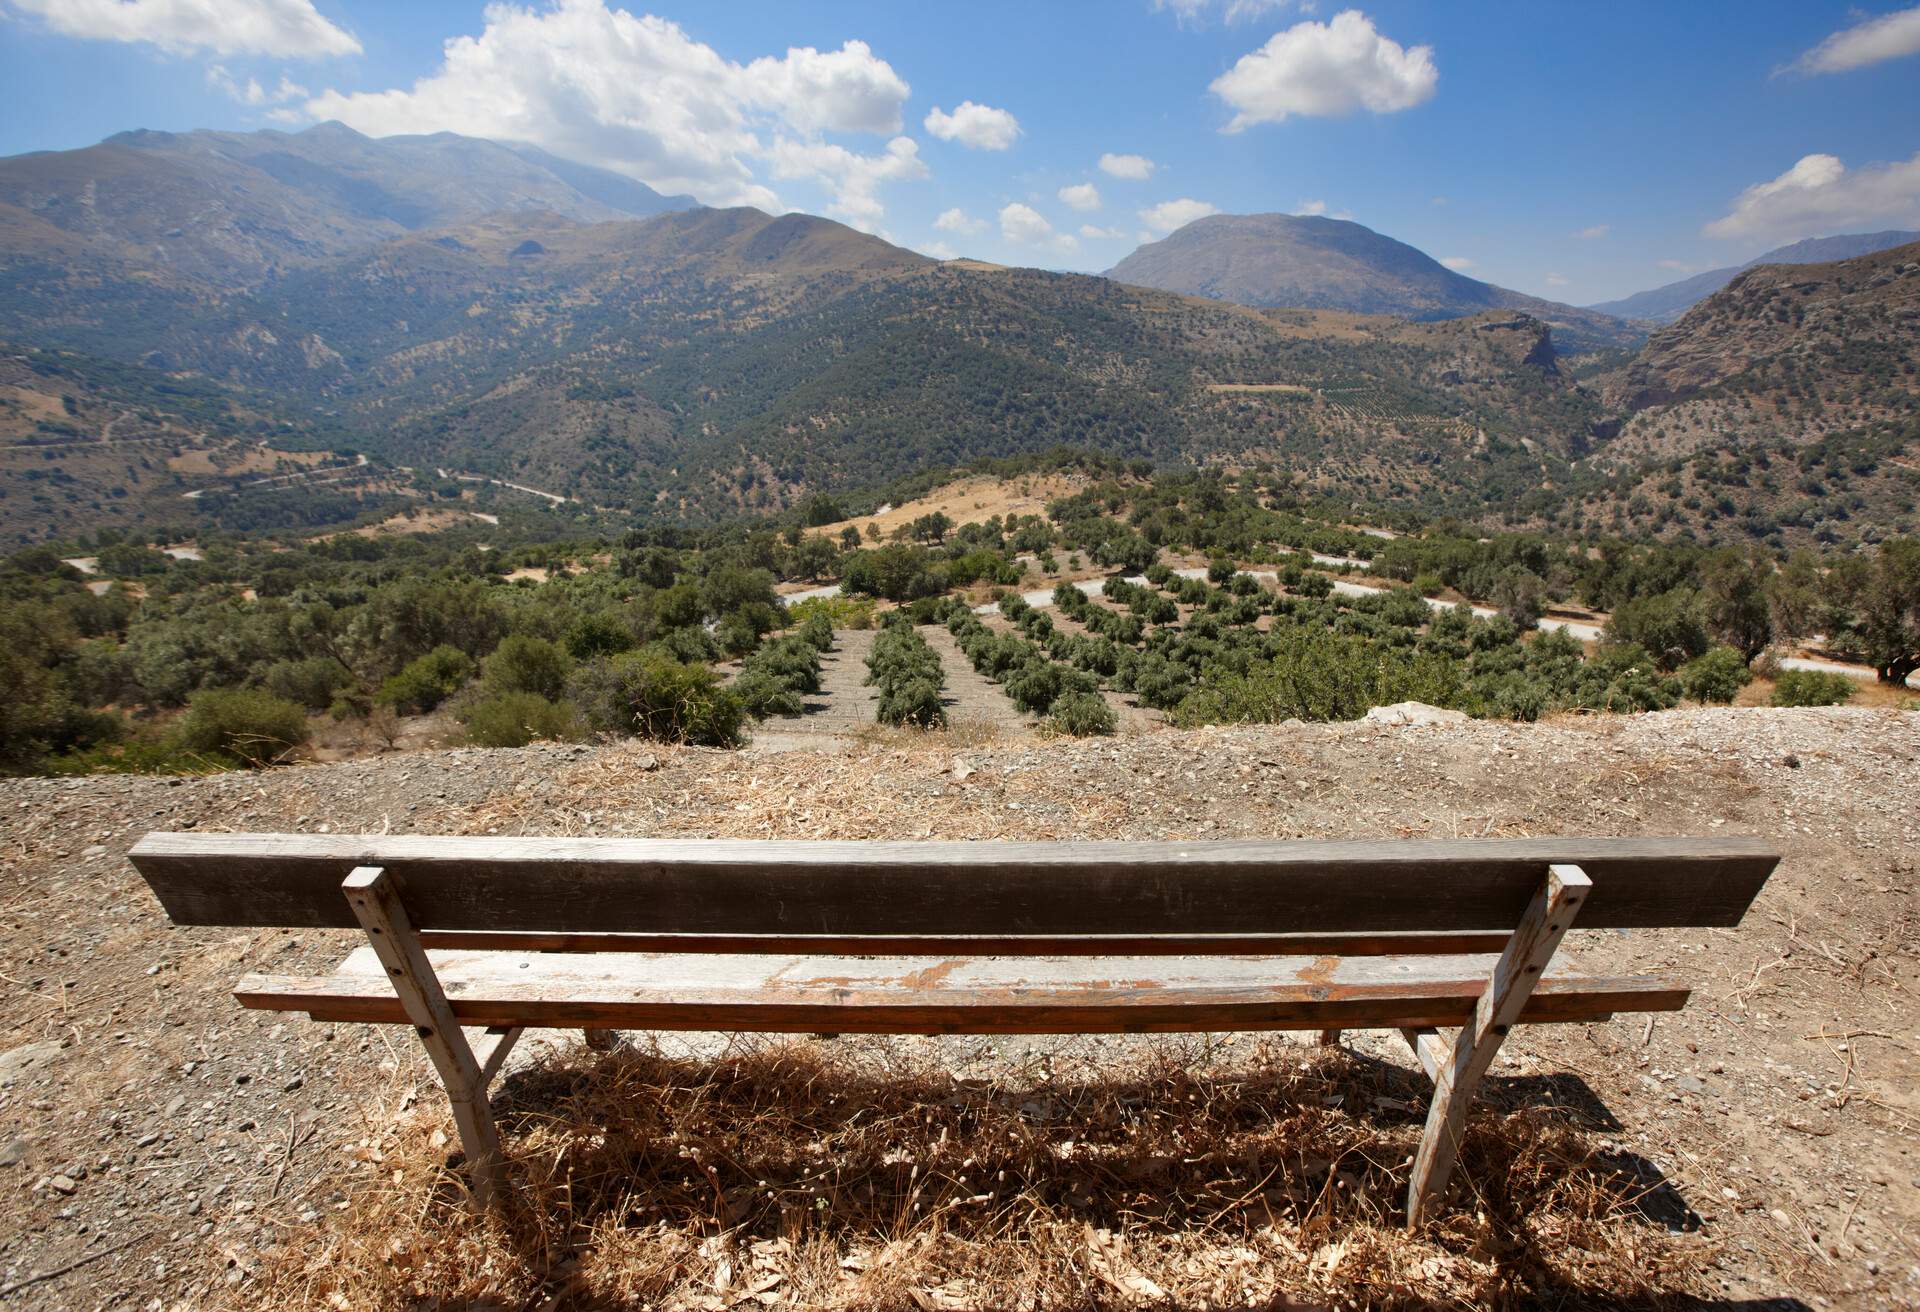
(63, 1184)
(13, 1153)
(293, 1084)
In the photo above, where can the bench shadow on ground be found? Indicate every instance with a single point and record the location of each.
(785, 1140)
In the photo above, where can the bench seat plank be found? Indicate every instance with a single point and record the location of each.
(957, 995)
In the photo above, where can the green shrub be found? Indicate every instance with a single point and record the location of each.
(514, 719)
(1668, 625)
(1812, 688)
(651, 693)
(763, 695)
(241, 725)
(909, 675)
(1718, 675)
(312, 683)
(1082, 714)
(526, 664)
(841, 612)
(426, 681)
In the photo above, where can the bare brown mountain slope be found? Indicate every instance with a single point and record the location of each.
(1784, 352)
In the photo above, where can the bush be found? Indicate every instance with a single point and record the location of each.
(524, 664)
(650, 693)
(1082, 714)
(841, 612)
(762, 695)
(426, 681)
(243, 726)
(908, 674)
(514, 719)
(1812, 688)
(1716, 676)
(311, 683)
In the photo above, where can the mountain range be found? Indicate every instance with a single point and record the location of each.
(230, 208)
(700, 362)
(1665, 304)
(1335, 264)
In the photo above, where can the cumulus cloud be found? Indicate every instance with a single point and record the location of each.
(1081, 196)
(939, 250)
(638, 95)
(1134, 168)
(1891, 36)
(1326, 69)
(978, 127)
(1025, 226)
(957, 220)
(1311, 207)
(1820, 195)
(1677, 266)
(1093, 232)
(288, 28)
(252, 93)
(853, 178)
(1556, 280)
(1168, 215)
(1594, 233)
(1458, 263)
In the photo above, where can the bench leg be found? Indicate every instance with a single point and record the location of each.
(375, 899)
(1518, 970)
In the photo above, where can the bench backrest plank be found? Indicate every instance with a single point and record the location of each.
(996, 890)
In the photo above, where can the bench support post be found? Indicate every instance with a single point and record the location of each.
(375, 899)
(1514, 976)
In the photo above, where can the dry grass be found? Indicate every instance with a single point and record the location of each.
(779, 1176)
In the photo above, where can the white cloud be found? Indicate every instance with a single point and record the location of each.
(979, 127)
(253, 93)
(844, 90)
(853, 178)
(1311, 207)
(640, 96)
(1025, 226)
(1677, 266)
(1441, 200)
(1233, 11)
(939, 250)
(1094, 233)
(1458, 263)
(1168, 215)
(290, 28)
(1556, 280)
(1890, 36)
(1081, 196)
(956, 220)
(1326, 69)
(1594, 233)
(1134, 168)
(1820, 195)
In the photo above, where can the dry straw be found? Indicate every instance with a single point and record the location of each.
(793, 1174)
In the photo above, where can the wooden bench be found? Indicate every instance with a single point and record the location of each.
(1451, 942)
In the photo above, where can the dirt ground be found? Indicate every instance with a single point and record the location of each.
(159, 1146)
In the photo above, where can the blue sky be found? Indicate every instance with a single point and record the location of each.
(1578, 152)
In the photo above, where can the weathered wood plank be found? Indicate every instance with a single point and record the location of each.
(1520, 972)
(1432, 1051)
(586, 885)
(940, 996)
(979, 945)
(491, 1049)
(405, 971)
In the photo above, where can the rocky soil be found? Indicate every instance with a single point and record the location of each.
(155, 1139)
